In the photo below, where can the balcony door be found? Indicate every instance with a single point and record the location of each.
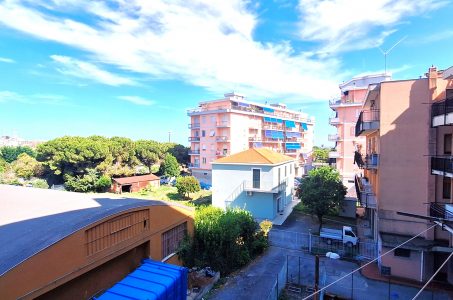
(256, 173)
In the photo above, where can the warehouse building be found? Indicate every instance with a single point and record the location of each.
(62, 245)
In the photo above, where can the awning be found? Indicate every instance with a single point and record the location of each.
(292, 146)
(243, 104)
(257, 145)
(267, 119)
(291, 134)
(290, 124)
(304, 126)
(279, 121)
(152, 280)
(269, 110)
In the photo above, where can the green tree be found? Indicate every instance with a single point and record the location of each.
(3, 165)
(321, 154)
(223, 240)
(10, 153)
(187, 185)
(180, 152)
(170, 166)
(321, 192)
(103, 183)
(85, 183)
(26, 166)
(147, 152)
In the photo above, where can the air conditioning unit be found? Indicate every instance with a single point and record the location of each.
(249, 193)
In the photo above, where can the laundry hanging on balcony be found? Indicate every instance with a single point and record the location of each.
(358, 159)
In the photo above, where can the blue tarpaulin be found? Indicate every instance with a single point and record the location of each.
(243, 104)
(290, 124)
(152, 280)
(269, 110)
(304, 126)
(279, 121)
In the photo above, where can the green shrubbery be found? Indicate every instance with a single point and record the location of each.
(224, 240)
(187, 185)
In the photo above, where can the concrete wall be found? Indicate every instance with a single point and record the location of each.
(405, 267)
(403, 168)
(67, 259)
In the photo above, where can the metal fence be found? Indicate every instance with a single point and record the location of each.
(279, 283)
(319, 245)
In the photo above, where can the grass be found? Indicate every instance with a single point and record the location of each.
(170, 193)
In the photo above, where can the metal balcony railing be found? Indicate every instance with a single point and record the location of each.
(442, 166)
(372, 161)
(194, 125)
(333, 137)
(365, 193)
(194, 152)
(440, 110)
(194, 165)
(222, 139)
(194, 139)
(441, 210)
(368, 121)
(265, 186)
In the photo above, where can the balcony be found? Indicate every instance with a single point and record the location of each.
(442, 166)
(194, 139)
(222, 139)
(442, 112)
(345, 102)
(194, 152)
(367, 122)
(194, 165)
(365, 193)
(194, 126)
(333, 137)
(441, 210)
(334, 154)
(264, 186)
(334, 121)
(223, 124)
(371, 161)
(221, 153)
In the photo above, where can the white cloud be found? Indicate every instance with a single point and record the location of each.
(81, 69)
(205, 43)
(137, 100)
(52, 99)
(343, 25)
(7, 60)
(9, 96)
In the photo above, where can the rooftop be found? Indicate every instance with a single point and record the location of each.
(259, 156)
(132, 179)
(33, 219)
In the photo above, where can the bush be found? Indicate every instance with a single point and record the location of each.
(40, 184)
(103, 183)
(187, 185)
(266, 226)
(169, 166)
(223, 240)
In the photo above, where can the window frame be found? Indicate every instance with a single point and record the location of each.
(172, 238)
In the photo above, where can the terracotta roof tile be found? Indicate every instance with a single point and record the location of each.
(132, 179)
(255, 156)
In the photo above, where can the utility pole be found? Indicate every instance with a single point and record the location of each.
(316, 296)
(169, 136)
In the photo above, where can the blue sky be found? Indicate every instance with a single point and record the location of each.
(133, 67)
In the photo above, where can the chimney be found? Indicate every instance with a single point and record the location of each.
(432, 82)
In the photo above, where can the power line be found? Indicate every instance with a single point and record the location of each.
(432, 277)
(368, 263)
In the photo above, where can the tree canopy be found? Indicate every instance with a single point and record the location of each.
(187, 185)
(26, 166)
(170, 166)
(321, 154)
(321, 192)
(10, 153)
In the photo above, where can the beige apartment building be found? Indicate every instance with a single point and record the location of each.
(346, 110)
(226, 126)
(408, 167)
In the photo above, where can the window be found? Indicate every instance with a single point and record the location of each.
(349, 233)
(203, 147)
(256, 178)
(203, 133)
(402, 252)
(447, 143)
(197, 133)
(172, 238)
(213, 119)
(203, 119)
(212, 133)
(446, 188)
(204, 160)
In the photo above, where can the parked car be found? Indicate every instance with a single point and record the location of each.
(205, 186)
(167, 179)
(346, 235)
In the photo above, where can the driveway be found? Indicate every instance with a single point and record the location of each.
(256, 280)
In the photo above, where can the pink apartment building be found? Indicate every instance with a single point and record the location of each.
(346, 110)
(408, 167)
(230, 125)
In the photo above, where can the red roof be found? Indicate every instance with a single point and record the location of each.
(132, 179)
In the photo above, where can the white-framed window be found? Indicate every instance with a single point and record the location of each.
(203, 147)
(203, 133)
(203, 160)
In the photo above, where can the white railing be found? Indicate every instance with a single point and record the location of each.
(333, 137)
(265, 186)
(334, 154)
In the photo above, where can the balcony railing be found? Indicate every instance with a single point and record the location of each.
(223, 124)
(334, 154)
(333, 137)
(194, 139)
(442, 166)
(365, 193)
(265, 186)
(441, 210)
(367, 122)
(221, 153)
(372, 161)
(194, 152)
(222, 138)
(334, 120)
(194, 165)
(442, 112)
(194, 125)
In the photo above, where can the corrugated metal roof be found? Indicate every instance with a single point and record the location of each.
(132, 179)
(152, 280)
(255, 156)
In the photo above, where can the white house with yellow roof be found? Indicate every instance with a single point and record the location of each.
(258, 180)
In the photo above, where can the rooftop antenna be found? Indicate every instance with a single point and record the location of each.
(388, 51)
